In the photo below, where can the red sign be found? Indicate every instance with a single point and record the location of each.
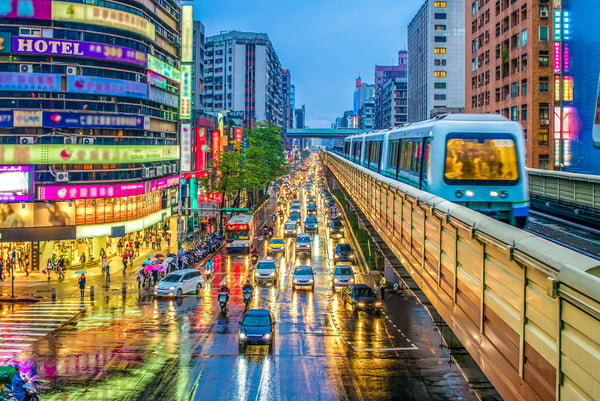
(216, 143)
(239, 133)
(214, 197)
(195, 174)
(236, 227)
(200, 148)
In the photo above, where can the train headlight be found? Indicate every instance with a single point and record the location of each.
(470, 193)
(503, 194)
(459, 193)
(494, 194)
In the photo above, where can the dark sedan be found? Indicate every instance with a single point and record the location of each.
(343, 253)
(257, 327)
(361, 297)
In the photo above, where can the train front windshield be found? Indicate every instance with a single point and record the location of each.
(481, 160)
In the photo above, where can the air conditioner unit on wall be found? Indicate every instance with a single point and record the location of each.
(88, 141)
(545, 122)
(62, 176)
(26, 140)
(70, 140)
(71, 70)
(25, 68)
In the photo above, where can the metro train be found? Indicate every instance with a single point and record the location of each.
(476, 160)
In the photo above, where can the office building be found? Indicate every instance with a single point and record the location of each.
(300, 117)
(286, 92)
(508, 52)
(391, 93)
(198, 70)
(89, 126)
(242, 75)
(436, 51)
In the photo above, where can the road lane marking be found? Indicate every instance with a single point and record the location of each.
(386, 349)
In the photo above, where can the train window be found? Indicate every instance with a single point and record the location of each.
(491, 157)
(393, 155)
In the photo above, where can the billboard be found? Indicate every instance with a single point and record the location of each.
(85, 154)
(164, 69)
(36, 9)
(65, 192)
(214, 197)
(66, 11)
(21, 215)
(186, 147)
(15, 183)
(25, 82)
(6, 118)
(106, 86)
(27, 118)
(75, 48)
(61, 119)
(187, 31)
(201, 148)
(185, 92)
(157, 80)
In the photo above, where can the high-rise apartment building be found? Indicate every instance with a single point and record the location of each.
(242, 74)
(364, 104)
(366, 114)
(89, 128)
(286, 92)
(436, 49)
(198, 70)
(300, 117)
(509, 47)
(391, 93)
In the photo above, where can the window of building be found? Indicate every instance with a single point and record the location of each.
(439, 61)
(514, 42)
(514, 113)
(524, 62)
(439, 15)
(439, 74)
(439, 4)
(439, 85)
(544, 111)
(439, 39)
(544, 58)
(524, 87)
(543, 136)
(474, 8)
(473, 63)
(440, 27)
(543, 33)
(523, 112)
(439, 96)
(543, 84)
(514, 89)
(544, 162)
(523, 12)
(524, 37)
(439, 50)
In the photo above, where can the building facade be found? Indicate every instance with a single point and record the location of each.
(391, 93)
(436, 49)
(508, 51)
(198, 71)
(89, 133)
(243, 75)
(300, 117)
(286, 92)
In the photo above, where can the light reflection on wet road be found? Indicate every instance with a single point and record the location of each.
(139, 348)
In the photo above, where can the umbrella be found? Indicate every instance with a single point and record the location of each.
(156, 267)
(146, 262)
(147, 268)
(126, 255)
(159, 255)
(171, 255)
(150, 256)
(140, 269)
(80, 272)
(154, 259)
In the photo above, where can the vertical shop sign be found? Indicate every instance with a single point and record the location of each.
(186, 146)
(201, 148)
(185, 109)
(216, 144)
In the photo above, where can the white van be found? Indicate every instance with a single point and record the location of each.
(290, 229)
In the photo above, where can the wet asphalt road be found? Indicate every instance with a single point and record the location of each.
(140, 348)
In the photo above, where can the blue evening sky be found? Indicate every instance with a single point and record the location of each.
(326, 44)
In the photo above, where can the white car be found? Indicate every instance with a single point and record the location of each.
(290, 229)
(303, 243)
(180, 282)
(343, 275)
(303, 277)
(266, 271)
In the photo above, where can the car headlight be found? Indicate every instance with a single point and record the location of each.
(469, 193)
(171, 288)
(493, 194)
(378, 303)
(335, 280)
(295, 281)
(311, 281)
(272, 274)
(242, 335)
(351, 280)
(361, 304)
(267, 336)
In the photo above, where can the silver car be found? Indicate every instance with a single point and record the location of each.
(180, 282)
(343, 275)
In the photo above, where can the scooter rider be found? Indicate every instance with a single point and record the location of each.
(224, 290)
(247, 292)
(248, 287)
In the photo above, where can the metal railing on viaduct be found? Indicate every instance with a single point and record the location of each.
(527, 310)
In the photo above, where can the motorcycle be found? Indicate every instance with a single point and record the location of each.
(247, 297)
(254, 259)
(223, 298)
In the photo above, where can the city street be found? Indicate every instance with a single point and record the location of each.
(136, 347)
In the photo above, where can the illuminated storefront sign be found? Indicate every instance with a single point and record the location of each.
(17, 81)
(6, 118)
(164, 69)
(567, 89)
(186, 146)
(185, 92)
(61, 119)
(85, 154)
(239, 134)
(156, 80)
(101, 230)
(21, 215)
(187, 30)
(557, 88)
(566, 58)
(65, 11)
(557, 25)
(214, 197)
(15, 184)
(557, 58)
(216, 144)
(201, 148)
(106, 86)
(162, 97)
(37, 9)
(75, 48)
(5, 43)
(72, 192)
(27, 118)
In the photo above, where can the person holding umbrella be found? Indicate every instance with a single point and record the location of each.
(81, 284)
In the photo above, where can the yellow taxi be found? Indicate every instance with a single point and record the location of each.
(276, 245)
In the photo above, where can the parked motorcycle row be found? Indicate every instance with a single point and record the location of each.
(200, 251)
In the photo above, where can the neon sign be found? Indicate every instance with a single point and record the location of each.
(557, 58)
(164, 69)
(185, 93)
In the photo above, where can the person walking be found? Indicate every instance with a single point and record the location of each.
(59, 270)
(120, 246)
(49, 267)
(169, 240)
(140, 279)
(124, 264)
(107, 270)
(82, 259)
(81, 284)
(136, 244)
(26, 262)
(1, 270)
(382, 284)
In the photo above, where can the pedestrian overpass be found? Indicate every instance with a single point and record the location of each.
(322, 133)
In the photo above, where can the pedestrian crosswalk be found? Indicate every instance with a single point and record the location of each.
(20, 330)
